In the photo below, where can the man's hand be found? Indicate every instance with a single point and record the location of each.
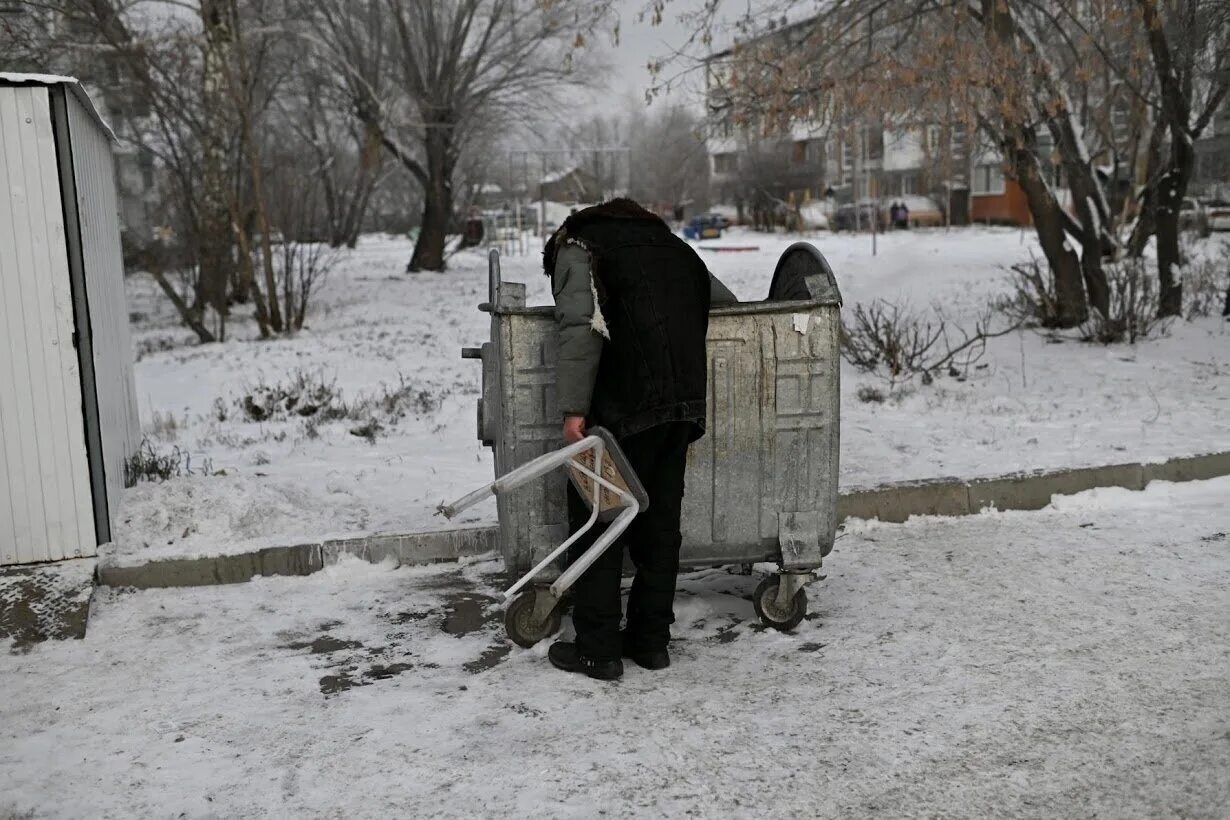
(574, 429)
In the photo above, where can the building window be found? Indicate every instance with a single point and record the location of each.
(798, 152)
(988, 179)
(836, 158)
(725, 163)
(873, 144)
(909, 184)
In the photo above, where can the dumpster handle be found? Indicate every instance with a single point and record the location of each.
(493, 278)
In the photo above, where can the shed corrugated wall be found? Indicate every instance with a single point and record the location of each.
(46, 511)
(103, 261)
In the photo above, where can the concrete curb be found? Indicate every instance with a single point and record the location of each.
(301, 559)
(891, 502)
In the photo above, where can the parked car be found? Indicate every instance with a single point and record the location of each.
(703, 226)
(717, 219)
(814, 216)
(849, 217)
(1193, 217)
(729, 214)
(1217, 212)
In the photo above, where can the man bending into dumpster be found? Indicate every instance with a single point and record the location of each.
(632, 303)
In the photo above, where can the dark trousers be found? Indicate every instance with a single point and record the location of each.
(659, 456)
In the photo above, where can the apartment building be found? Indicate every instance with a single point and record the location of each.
(1211, 174)
(137, 177)
(946, 162)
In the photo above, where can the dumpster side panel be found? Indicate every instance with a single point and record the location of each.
(806, 408)
(497, 407)
(725, 478)
(535, 515)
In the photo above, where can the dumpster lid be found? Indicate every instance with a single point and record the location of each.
(803, 274)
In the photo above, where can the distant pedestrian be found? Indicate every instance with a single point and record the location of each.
(904, 215)
(474, 231)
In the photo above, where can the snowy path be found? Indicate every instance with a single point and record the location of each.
(1069, 662)
(1034, 405)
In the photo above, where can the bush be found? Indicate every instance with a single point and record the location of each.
(890, 335)
(305, 395)
(368, 430)
(158, 344)
(1032, 301)
(309, 397)
(1204, 284)
(1133, 306)
(149, 465)
(300, 268)
(165, 426)
(906, 345)
(393, 403)
(871, 395)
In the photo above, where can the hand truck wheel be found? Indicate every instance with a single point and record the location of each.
(523, 626)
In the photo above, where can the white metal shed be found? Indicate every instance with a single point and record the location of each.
(68, 410)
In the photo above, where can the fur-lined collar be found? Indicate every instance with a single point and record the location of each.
(620, 208)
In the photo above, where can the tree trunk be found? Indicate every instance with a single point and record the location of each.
(1146, 220)
(214, 248)
(1049, 225)
(1176, 98)
(1019, 142)
(193, 319)
(333, 215)
(437, 204)
(248, 275)
(1170, 193)
(1092, 218)
(433, 233)
(359, 214)
(356, 209)
(214, 259)
(242, 103)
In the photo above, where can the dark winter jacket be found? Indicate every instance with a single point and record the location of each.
(632, 303)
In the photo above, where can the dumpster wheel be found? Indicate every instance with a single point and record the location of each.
(764, 600)
(523, 626)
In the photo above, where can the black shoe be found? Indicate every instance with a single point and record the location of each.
(648, 659)
(564, 655)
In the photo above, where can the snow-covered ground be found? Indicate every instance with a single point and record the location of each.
(1034, 404)
(1069, 662)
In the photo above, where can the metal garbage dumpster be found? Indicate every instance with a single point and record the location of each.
(762, 483)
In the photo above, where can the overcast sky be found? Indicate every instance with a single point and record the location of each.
(641, 42)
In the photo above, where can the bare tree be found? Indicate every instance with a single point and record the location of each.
(347, 159)
(1008, 68)
(667, 158)
(1189, 41)
(595, 145)
(176, 64)
(425, 76)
